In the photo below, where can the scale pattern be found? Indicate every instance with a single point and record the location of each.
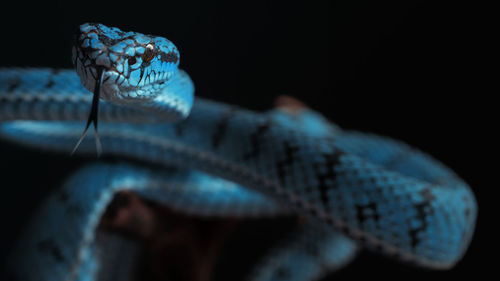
(351, 186)
(310, 252)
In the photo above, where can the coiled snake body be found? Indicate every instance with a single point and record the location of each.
(354, 188)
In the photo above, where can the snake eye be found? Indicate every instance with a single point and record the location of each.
(132, 60)
(148, 53)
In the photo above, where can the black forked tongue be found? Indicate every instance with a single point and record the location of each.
(94, 114)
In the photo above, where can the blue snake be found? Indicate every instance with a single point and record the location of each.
(212, 159)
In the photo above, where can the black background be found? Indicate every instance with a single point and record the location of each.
(408, 69)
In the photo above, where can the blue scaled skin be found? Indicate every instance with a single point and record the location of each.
(354, 189)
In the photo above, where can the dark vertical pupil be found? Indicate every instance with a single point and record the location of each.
(132, 60)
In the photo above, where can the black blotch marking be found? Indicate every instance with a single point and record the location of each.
(50, 83)
(427, 194)
(288, 161)
(423, 211)
(221, 128)
(171, 57)
(361, 212)
(13, 84)
(332, 160)
(48, 246)
(255, 139)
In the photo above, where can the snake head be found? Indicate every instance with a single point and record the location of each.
(134, 66)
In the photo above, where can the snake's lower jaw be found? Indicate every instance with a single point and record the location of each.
(110, 87)
(117, 88)
(114, 90)
(110, 92)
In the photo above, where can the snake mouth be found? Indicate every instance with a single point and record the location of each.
(119, 88)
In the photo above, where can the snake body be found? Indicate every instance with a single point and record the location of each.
(355, 189)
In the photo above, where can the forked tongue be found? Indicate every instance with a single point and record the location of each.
(94, 114)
